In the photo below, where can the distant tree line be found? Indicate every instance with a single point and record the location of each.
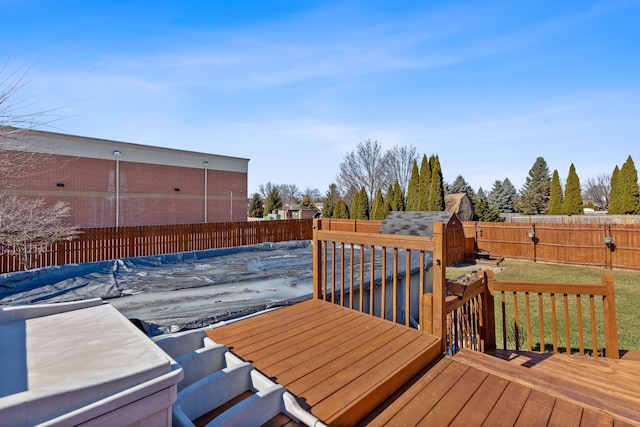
(372, 182)
(271, 197)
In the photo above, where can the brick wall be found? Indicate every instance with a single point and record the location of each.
(148, 193)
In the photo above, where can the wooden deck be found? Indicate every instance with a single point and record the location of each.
(472, 389)
(350, 368)
(341, 364)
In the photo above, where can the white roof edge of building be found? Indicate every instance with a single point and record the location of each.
(40, 141)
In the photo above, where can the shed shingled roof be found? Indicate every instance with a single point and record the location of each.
(413, 223)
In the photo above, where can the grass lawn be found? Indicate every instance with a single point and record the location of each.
(627, 288)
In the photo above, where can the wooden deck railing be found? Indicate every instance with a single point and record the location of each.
(470, 316)
(371, 273)
(368, 272)
(530, 313)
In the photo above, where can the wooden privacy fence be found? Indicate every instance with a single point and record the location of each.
(99, 244)
(609, 246)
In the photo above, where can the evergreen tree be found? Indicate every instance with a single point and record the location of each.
(534, 197)
(503, 196)
(615, 196)
(425, 183)
(273, 201)
(480, 195)
(330, 200)
(572, 201)
(413, 189)
(379, 209)
(555, 195)
(436, 190)
(341, 210)
(388, 199)
(485, 211)
(398, 198)
(306, 202)
(256, 209)
(461, 186)
(360, 205)
(629, 201)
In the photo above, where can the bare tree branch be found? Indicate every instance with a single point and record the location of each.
(363, 167)
(16, 120)
(398, 162)
(597, 190)
(28, 227)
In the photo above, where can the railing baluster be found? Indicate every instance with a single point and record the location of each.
(567, 331)
(351, 275)
(527, 314)
(372, 267)
(541, 314)
(395, 285)
(383, 299)
(516, 321)
(407, 288)
(594, 330)
(580, 326)
(324, 276)
(333, 272)
(554, 323)
(361, 289)
(342, 277)
(504, 320)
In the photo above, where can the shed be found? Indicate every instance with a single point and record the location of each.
(461, 204)
(421, 224)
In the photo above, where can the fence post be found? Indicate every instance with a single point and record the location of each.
(534, 239)
(610, 323)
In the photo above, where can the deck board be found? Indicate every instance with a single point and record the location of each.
(481, 403)
(473, 389)
(565, 414)
(506, 410)
(455, 399)
(538, 407)
(340, 363)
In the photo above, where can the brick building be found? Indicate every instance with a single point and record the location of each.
(111, 183)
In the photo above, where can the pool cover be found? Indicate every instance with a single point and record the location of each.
(176, 291)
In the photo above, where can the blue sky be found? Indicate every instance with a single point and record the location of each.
(295, 85)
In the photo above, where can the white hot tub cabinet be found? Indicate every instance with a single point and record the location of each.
(81, 363)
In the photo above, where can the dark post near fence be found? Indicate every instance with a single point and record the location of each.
(534, 239)
(609, 247)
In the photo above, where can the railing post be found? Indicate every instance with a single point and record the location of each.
(317, 262)
(439, 283)
(488, 327)
(426, 320)
(610, 323)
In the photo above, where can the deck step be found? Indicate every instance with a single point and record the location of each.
(225, 390)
